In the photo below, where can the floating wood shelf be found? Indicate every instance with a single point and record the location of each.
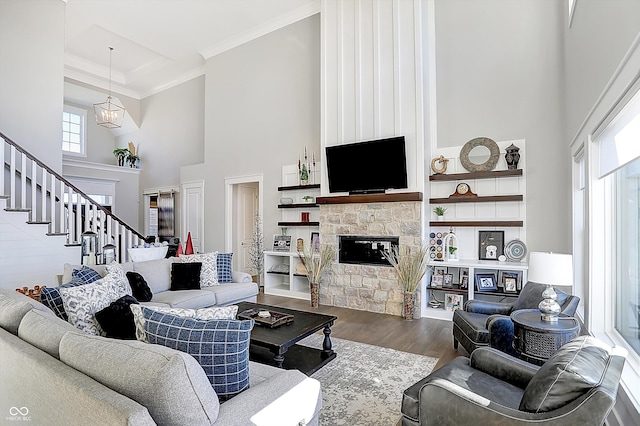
(296, 206)
(477, 175)
(298, 223)
(371, 198)
(294, 187)
(463, 199)
(505, 223)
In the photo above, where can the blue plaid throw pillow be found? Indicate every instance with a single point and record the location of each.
(221, 347)
(50, 296)
(224, 267)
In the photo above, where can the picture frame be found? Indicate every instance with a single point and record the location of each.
(440, 270)
(282, 243)
(464, 282)
(511, 281)
(464, 272)
(447, 281)
(490, 245)
(315, 242)
(486, 282)
(437, 280)
(453, 301)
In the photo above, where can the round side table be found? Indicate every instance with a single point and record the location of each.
(536, 340)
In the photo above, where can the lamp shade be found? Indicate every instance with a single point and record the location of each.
(551, 268)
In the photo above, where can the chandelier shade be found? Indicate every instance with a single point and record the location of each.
(108, 113)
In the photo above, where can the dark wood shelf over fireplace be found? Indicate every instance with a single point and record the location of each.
(371, 198)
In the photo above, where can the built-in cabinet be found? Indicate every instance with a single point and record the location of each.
(470, 268)
(280, 276)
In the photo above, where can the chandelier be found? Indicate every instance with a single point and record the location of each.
(109, 114)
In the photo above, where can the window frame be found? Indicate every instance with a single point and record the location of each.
(82, 113)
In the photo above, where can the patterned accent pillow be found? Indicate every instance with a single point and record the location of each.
(221, 347)
(81, 303)
(116, 271)
(86, 274)
(225, 261)
(209, 271)
(225, 312)
(50, 296)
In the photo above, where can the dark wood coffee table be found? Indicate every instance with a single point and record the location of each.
(269, 345)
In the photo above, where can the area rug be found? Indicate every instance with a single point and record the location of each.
(363, 385)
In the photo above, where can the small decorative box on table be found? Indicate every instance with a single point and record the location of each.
(536, 340)
(272, 320)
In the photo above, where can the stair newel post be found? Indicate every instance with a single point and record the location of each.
(23, 181)
(34, 192)
(2, 174)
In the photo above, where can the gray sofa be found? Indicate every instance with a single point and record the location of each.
(51, 374)
(157, 273)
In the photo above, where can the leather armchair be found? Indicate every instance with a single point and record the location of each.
(576, 386)
(482, 323)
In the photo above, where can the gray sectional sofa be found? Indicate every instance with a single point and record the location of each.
(52, 374)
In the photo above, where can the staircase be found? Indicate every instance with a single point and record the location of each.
(55, 207)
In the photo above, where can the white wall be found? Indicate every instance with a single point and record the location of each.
(31, 76)
(499, 75)
(600, 36)
(262, 108)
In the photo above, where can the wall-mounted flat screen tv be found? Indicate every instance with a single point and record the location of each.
(367, 167)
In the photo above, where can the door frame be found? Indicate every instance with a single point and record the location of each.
(229, 184)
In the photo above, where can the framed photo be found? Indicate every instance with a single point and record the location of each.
(436, 280)
(281, 242)
(464, 272)
(440, 270)
(490, 245)
(315, 241)
(464, 282)
(453, 301)
(511, 281)
(486, 282)
(447, 281)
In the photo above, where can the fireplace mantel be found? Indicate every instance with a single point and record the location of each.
(371, 198)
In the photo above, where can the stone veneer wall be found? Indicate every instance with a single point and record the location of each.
(366, 287)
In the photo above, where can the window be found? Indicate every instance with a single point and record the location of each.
(73, 130)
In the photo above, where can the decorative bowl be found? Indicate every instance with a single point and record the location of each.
(142, 254)
(286, 200)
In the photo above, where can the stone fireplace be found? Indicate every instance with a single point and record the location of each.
(368, 287)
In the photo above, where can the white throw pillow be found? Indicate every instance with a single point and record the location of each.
(209, 271)
(116, 271)
(224, 312)
(82, 302)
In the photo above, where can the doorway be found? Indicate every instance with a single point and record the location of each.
(243, 201)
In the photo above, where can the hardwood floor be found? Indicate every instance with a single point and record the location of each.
(423, 336)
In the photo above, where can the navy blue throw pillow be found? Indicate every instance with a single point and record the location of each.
(185, 276)
(117, 319)
(139, 287)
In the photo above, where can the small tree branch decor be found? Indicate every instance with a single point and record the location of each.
(316, 264)
(256, 249)
(410, 269)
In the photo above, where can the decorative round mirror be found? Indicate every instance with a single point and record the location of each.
(483, 151)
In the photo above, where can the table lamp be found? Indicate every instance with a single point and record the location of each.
(550, 269)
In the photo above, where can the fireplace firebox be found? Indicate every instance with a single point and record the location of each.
(365, 250)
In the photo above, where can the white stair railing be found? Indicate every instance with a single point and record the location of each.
(50, 198)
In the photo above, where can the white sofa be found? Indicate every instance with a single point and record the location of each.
(157, 274)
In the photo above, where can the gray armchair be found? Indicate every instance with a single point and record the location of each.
(483, 323)
(576, 386)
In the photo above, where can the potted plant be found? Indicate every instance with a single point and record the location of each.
(440, 211)
(121, 154)
(304, 175)
(316, 263)
(308, 199)
(132, 159)
(410, 268)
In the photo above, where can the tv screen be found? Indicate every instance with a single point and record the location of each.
(367, 167)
